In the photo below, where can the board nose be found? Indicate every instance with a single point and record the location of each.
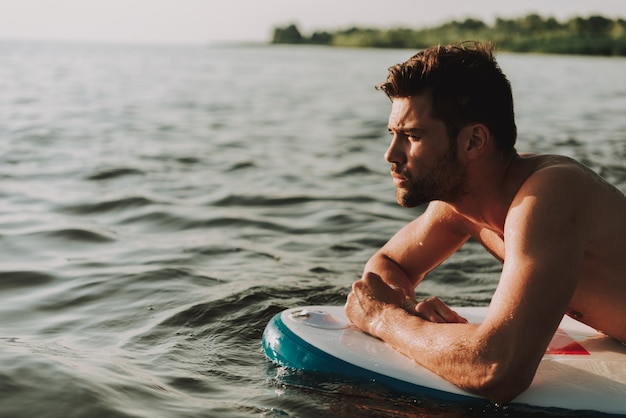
(318, 318)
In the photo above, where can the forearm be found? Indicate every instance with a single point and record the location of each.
(460, 353)
(473, 357)
(448, 349)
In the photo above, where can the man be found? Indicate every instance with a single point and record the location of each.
(558, 228)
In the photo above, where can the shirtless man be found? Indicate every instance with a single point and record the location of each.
(558, 228)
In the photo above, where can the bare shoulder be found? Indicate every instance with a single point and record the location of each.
(444, 215)
(563, 177)
(439, 229)
(562, 191)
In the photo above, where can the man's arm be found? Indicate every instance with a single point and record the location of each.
(543, 263)
(418, 248)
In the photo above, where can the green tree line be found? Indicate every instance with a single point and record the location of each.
(594, 35)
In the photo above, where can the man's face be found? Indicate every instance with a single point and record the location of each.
(424, 162)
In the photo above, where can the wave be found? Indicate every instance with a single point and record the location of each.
(115, 173)
(270, 201)
(249, 310)
(77, 235)
(43, 238)
(108, 205)
(357, 170)
(241, 166)
(19, 279)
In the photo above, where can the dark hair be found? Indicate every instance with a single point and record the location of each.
(466, 85)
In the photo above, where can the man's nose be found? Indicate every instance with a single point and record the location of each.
(395, 153)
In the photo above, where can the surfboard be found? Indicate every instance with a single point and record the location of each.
(582, 369)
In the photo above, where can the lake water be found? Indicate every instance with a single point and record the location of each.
(159, 204)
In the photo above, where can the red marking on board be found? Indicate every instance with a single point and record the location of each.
(562, 343)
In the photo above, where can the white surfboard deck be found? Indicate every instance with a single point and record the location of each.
(581, 370)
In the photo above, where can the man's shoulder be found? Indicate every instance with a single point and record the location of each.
(540, 163)
(556, 189)
(556, 175)
(570, 175)
(442, 213)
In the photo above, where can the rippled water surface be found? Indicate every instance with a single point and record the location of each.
(158, 204)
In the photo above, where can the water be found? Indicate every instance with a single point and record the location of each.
(158, 204)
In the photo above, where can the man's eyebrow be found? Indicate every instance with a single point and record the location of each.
(412, 130)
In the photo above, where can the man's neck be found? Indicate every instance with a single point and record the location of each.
(492, 185)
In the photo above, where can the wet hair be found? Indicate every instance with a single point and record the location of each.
(466, 84)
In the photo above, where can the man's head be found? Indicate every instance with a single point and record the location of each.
(424, 162)
(466, 86)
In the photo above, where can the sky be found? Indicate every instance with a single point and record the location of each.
(209, 21)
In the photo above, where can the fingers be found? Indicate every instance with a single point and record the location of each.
(434, 309)
(371, 294)
(369, 298)
(372, 286)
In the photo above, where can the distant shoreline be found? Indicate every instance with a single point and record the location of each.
(594, 35)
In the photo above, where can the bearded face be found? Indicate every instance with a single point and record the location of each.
(444, 179)
(423, 157)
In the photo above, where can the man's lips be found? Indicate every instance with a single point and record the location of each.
(398, 179)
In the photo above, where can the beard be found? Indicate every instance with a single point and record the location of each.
(445, 181)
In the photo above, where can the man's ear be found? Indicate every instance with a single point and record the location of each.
(474, 140)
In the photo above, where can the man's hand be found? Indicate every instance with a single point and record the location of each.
(434, 309)
(370, 296)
